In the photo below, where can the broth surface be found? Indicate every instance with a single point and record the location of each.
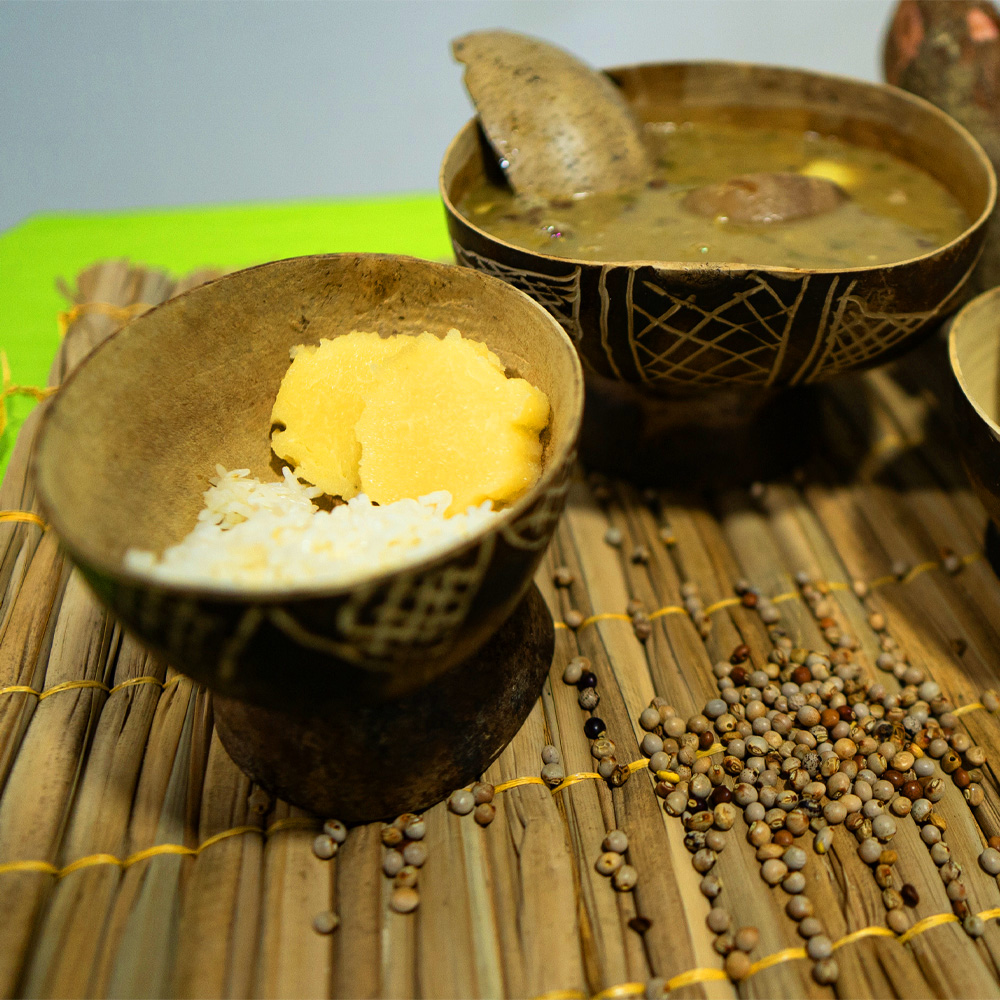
(894, 210)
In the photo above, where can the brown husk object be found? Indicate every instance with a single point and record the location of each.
(949, 54)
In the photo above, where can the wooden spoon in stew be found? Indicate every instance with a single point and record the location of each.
(557, 126)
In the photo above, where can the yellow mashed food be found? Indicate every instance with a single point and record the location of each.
(405, 416)
(319, 402)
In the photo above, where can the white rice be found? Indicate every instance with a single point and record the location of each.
(256, 534)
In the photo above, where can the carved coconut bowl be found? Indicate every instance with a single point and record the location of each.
(125, 453)
(671, 328)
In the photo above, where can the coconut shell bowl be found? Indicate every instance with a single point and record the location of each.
(668, 327)
(721, 338)
(327, 695)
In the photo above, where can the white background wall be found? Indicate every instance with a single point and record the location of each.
(109, 105)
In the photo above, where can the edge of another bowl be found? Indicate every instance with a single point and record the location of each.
(978, 431)
(967, 319)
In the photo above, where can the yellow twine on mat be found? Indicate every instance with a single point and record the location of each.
(8, 388)
(157, 850)
(98, 685)
(90, 861)
(776, 958)
(236, 831)
(58, 689)
(921, 568)
(872, 931)
(72, 686)
(291, 823)
(670, 609)
(726, 602)
(935, 920)
(605, 616)
(918, 569)
(121, 313)
(515, 782)
(692, 977)
(21, 516)
(621, 990)
(789, 595)
(971, 707)
(29, 866)
(574, 779)
(146, 679)
(563, 995)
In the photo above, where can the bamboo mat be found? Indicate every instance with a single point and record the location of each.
(136, 860)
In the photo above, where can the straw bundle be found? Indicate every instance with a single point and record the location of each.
(135, 859)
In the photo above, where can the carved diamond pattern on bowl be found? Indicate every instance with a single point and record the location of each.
(417, 612)
(560, 296)
(740, 340)
(857, 334)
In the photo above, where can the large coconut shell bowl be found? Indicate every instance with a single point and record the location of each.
(326, 694)
(672, 328)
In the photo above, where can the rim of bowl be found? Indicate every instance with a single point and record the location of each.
(318, 589)
(981, 301)
(946, 120)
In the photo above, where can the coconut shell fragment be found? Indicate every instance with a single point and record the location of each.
(558, 127)
(765, 197)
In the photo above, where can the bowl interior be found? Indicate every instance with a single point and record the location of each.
(864, 114)
(131, 439)
(974, 349)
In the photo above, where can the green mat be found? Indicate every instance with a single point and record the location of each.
(45, 247)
